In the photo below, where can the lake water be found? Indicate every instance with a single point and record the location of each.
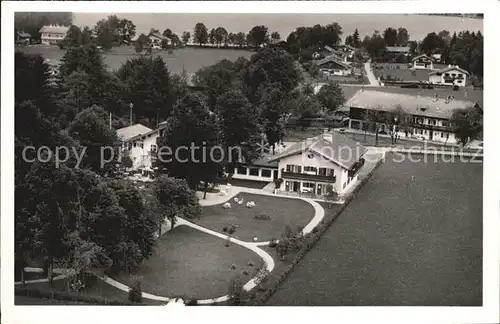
(417, 25)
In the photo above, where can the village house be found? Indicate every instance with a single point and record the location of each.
(452, 75)
(329, 163)
(423, 62)
(346, 49)
(427, 117)
(157, 38)
(139, 143)
(334, 65)
(53, 34)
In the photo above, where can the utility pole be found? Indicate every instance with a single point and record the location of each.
(110, 121)
(131, 107)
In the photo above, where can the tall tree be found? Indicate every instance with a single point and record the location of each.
(356, 41)
(403, 37)
(331, 97)
(221, 36)
(275, 35)
(431, 43)
(200, 34)
(177, 199)
(239, 125)
(390, 36)
(240, 39)
(212, 37)
(149, 88)
(467, 124)
(91, 129)
(191, 135)
(270, 66)
(185, 37)
(274, 109)
(104, 34)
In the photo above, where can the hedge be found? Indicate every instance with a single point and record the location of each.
(322, 229)
(69, 296)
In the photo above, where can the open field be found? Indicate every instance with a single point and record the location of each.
(282, 211)
(192, 264)
(411, 236)
(190, 59)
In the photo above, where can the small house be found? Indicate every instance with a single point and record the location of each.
(23, 38)
(423, 62)
(53, 34)
(157, 38)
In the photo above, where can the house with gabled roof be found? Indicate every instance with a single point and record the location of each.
(334, 65)
(451, 75)
(139, 142)
(329, 163)
(53, 34)
(157, 38)
(423, 61)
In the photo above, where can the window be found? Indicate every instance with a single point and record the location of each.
(266, 173)
(308, 185)
(432, 121)
(309, 169)
(442, 135)
(459, 81)
(446, 74)
(293, 168)
(444, 124)
(343, 186)
(153, 147)
(254, 171)
(242, 170)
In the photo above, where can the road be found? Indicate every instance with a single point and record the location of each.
(371, 77)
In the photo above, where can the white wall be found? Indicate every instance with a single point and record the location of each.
(316, 161)
(141, 156)
(259, 177)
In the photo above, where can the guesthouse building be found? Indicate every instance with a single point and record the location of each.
(322, 165)
(426, 117)
(53, 34)
(334, 65)
(452, 75)
(139, 143)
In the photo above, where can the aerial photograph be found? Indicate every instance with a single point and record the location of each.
(248, 159)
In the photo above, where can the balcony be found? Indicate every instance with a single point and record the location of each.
(308, 176)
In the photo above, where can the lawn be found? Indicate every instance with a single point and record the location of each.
(193, 264)
(401, 241)
(190, 59)
(401, 74)
(282, 211)
(249, 183)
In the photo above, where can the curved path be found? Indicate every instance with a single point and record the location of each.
(319, 213)
(369, 74)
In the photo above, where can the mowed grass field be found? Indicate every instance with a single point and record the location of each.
(282, 212)
(188, 59)
(194, 265)
(401, 241)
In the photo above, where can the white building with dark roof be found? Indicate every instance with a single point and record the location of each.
(452, 75)
(428, 116)
(139, 142)
(53, 34)
(329, 163)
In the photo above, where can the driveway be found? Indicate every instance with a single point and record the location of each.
(371, 77)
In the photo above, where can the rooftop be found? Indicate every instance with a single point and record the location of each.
(450, 68)
(56, 29)
(419, 103)
(397, 49)
(333, 58)
(335, 147)
(126, 133)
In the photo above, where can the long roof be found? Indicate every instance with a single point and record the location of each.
(423, 56)
(420, 105)
(129, 132)
(54, 29)
(335, 147)
(397, 49)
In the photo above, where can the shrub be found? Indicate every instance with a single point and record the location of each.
(233, 266)
(135, 292)
(224, 229)
(272, 243)
(315, 230)
(245, 272)
(250, 264)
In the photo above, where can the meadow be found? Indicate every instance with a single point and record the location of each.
(188, 59)
(412, 236)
